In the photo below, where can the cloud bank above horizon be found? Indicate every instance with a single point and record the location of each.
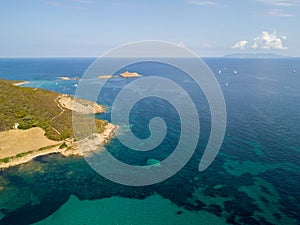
(263, 41)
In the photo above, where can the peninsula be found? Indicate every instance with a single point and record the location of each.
(36, 122)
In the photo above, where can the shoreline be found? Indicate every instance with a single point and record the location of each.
(21, 83)
(71, 149)
(79, 105)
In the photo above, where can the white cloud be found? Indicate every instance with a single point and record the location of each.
(71, 4)
(283, 3)
(268, 41)
(280, 7)
(264, 40)
(240, 44)
(202, 3)
(83, 1)
(280, 13)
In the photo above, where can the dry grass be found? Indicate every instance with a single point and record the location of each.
(23, 141)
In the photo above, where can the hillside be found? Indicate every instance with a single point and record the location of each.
(32, 107)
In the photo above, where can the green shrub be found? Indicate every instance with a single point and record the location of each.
(20, 114)
(63, 145)
(23, 154)
(5, 160)
(47, 147)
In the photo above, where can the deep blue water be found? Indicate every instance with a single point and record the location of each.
(254, 179)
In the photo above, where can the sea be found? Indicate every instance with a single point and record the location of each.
(254, 179)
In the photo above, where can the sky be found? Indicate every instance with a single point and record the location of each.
(83, 28)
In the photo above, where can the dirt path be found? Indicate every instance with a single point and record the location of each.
(53, 118)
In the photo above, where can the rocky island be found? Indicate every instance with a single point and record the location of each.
(127, 74)
(36, 122)
(68, 78)
(106, 76)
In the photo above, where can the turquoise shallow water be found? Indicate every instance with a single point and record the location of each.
(254, 179)
(152, 210)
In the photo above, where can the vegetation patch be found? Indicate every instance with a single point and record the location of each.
(5, 160)
(63, 145)
(22, 154)
(48, 147)
(33, 107)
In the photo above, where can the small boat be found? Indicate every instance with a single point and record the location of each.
(235, 72)
(220, 71)
(294, 70)
(226, 84)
